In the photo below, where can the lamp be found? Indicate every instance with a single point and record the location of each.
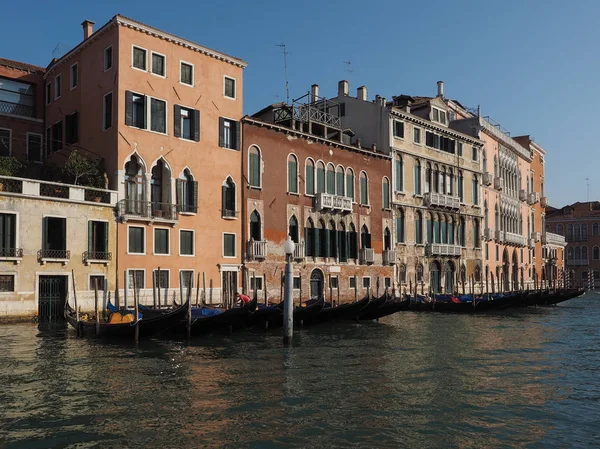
(289, 246)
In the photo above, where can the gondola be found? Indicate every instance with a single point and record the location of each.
(388, 307)
(265, 316)
(306, 312)
(370, 308)
(346, 311)
(147, 326)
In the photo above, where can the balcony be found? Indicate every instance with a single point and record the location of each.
(442, 249)
(441, 200)
(531, 243)
(257, 249)
(89, 257)
(511, 238)
(498, 183)
(500, 236)
(544, 201)
(11, 254)
(533, 198)
(389, 257)
(578, 262)
(522, 195)
(367, 256)
(488, 234)
(334, 203)
(54, 255)
(299, 251)
(147, 211)
(548, 238)
(7, 107)
(535, 236)
(487, 178)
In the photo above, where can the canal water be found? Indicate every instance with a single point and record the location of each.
(522, 378)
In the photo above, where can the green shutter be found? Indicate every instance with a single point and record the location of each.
(128, 108)
(196, 135)
(90, 236)
(238, 135)
(105, 229)
(221, 128)
(179, 190)
(310, 179)
(317, 235)
(177, 121)
(194, 204)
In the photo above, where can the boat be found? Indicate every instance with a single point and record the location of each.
(147, 326)
(265, 316)
(370, 308)
(388, 307)
(346, 311)
(305, 312)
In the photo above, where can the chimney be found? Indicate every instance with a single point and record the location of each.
(88, 28)
(314, 92)
(440, 89)
(343, 88)
(378, 100)
(361, 93)
(374, 147)
(383, 102)
(358, 142)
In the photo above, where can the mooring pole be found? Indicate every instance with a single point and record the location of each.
(265, 288)
(137, 309)
(125, 288)
(288, 300)
(157, 274)
(356, 289)
(96, 307)
(75, 295)
(181, 287)
(197, 289)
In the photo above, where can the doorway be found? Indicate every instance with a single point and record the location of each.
(52, 295)
(316, 284)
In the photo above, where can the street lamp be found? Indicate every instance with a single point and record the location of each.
(288, 298)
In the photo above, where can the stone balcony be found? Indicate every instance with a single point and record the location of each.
(548, 238)
(442, 249)
(488, 178)
(389, 257)
(535, 236)
(510, 238)
(257, 249)
(522, 195)
(498, 183)
(335, 203)
(578, 262)
(441, 200)
(533, 198)
(367, 256)
(488, 234)
(544, 201)
(299, 251)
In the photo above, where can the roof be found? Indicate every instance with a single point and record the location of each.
(22, 66)
(580, 209)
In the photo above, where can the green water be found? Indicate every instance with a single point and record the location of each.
(525, 378)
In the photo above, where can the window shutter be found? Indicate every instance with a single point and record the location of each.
(177, 121)
(146, 112)
(179, 190)
(64, 233)
(221, 126)
(196, 125)
(317, 239)
(194, 204)
(223, 200)
(128, 107)
(105, 230)
(45, 233)
(238, 135)
(90, 237)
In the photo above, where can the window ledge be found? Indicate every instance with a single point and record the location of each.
(16, 260)
(400, 192)
(418, 195)
(229, 218)
(293, 194)
(254, 187)
(188, 213)
(96, 261)
(45, 260)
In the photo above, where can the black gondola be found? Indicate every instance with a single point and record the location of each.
(370, 308)
(147, 326)
(341, 312)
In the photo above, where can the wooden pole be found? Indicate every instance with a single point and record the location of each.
(125, 288)
(75, 295)
(210, 291)
(330, 290)
(137, 309)
(265, 288)
(281, 288)
(300, 289)
(157, 274)
(96, 307)
(204, 286)
(181, 287)
(154, 289)
(338, 292)
(105, 298)
(117, 297)
(197, 289)
(355, 289)
(189, 309)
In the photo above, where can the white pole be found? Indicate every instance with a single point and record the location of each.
(288, 298)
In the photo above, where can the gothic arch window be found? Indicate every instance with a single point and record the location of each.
(309, 176)
(293, 231)
(187, 192)
(320, 177)
(254, 167)
(255, 226)
(228, 198)
(350, 183)
(339, 181)
(330, 180)
(364, 188)
(292, 174)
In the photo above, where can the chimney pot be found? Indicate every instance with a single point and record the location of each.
(440, 89)
(88, 28)
(358, 142)
(374, 147)
(361, 93)
(343, 88)
(314, 91)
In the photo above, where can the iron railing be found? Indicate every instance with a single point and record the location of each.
(54, 190)
(97, 196)
(96, 255)
(11, 185)
(11, 252)
(147, 209)
(6, 107)
(54, 254)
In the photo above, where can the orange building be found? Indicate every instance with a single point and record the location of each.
(163, 113)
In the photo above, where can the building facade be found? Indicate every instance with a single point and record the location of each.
(163, 113)
(304, 177)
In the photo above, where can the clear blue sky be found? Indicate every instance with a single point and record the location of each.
(533, 66)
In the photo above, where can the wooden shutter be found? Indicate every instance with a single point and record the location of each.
(238, 135)
(177, 121)
(317, 240)
(105, 230)
(196, 125)
(45, 233)
(63, 223)
(179, 190)
(146, 106)
(194, 204)
(90, 237)
(128, 107)
(221, 127)
(223, 200)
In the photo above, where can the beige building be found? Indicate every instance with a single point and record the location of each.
(48, 232)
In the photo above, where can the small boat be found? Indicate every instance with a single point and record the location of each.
(346, 311)
(390, 306)
(306, 312)
(209, 319)
(146, 325)
(265, 316)
(370, 308)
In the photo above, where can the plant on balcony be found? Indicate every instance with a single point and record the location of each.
(81, 170)
(10, 166)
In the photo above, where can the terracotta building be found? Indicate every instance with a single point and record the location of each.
(163, 113)
(306, 177)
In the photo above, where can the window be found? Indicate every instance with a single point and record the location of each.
(438, 115)
(54, 238)
(5, 142)
(136, 240)
(365, 237)
(292, 174)
(187, 192)
(7, 283)
(8, 235)
(57, 87)
(474, 154)
(97, 240)
(398, 129)
(228, 199)
(402, 274)
(48, 93)
(229, 245)
(186, 243)
(74, 77)
(475, 191)
(97, 282)
(418, 228)
(161, 241)
(256, 283)
(139, 276)
(386, 193)
(330, 179)
(399, 175)
(594, 229)
(417, 135)
(57, 136)
(350, 183)
(309, 177)
(72, 128)
(417, 176)
(162, 278)
(352, 282)
(255, 227)
(364, 189)
(229, 87)
(293, 229)
(297, 284)
(387, 282)
(339, 181)
(34, 147)
(229, 134)
(17, 98)
(461, 194)
(158, 64)
(158, 115)
(254, 168)
(107, 112)
(476, 234)
(460, 149)
(366, 282)
(187, 74)
(135, 110)
(186, 277)
(584, 275)
(139, 58)
(333, 282)
(187, 123)
(108, 58)
(400, 226)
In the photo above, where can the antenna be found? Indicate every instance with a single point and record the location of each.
(349, 69)
(56, 53)
(587, 182)
(287, 85)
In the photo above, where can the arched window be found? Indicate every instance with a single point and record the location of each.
(254, 167)
(596, 253)
(187, 192)
(228, 198)
(584, 252)
(577, 232)
(430, 228)
(434, 179)
(320, 177)
(350, 183)
(451, 231)
(309, 176)
(386, 193)
(417, 180)
(400, 226)
(352, 242)
(594, 228)
(418, 228)
(450, 182)
(342, 242)
(577, 253)
(476, 233)
(365, 237)
(292, 174)
(255, 226)
(364, 189)
(569, 253)
(135, 191)
(485, 215)
(160, 189)
(461, 232)
(475, 190)
(387, 239)
(330, 179)
(402, 274)
(399, 179)
(332, 240)
(436, 229)
(477, 273)
(461, 193)
(584, 232)
(321, 240)
(339, 181)
(293, 229)
(569, 232)
(420, 273)
(309, 238)
(444, 230)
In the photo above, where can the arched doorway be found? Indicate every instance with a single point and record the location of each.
(515, 271)
(316, 284)
(435, 277)
(449, 277)
(505, 271)
(134, 186)
(255, 227)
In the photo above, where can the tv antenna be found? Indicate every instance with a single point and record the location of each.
(587, 182)
(56, 53)
(349, 68)
(287, 84)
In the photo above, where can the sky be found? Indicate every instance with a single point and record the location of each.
(533, 66)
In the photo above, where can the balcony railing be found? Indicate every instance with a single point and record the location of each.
(522, 195)
(257, 249)
(96, 257)
(498, 183)
(511, 238)
(441, 200)
(53, 190)
(533, 198)
(6, 107)
(531, 243)
(367, 255)
(578, 262)
(548, 238)
(544, 201)
(333, 202)
(535, 236)
(442, 249)
(131, 209)
(45, 255)
(487, 178)
(97, 196)
(389, 257)
(488, 234)
(11, 185)
(299, 253)
(11, 252)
